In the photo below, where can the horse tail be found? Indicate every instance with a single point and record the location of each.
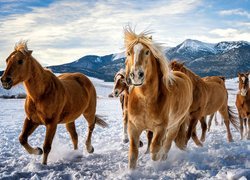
(233, 118)
(181, 137)
(100, 122)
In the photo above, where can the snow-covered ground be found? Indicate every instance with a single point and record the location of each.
(218, 159)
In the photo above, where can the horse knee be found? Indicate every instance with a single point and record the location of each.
(22, 140)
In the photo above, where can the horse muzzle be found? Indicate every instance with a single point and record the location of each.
(6, 82)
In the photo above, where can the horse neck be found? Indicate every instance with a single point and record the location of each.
(39, 80)
(194, 78)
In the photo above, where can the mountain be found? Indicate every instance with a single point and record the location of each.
(102, 67)
(206, 59)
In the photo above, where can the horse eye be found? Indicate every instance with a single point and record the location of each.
(20, 61)
(147, 52)
(128, 53)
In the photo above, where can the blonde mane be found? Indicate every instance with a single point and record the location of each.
(131, 39)
(21, 46)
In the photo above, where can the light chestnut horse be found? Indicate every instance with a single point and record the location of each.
(159, 101)
(214, 116)
(121, 89)
(209, 96)
(243, 104)
(50, 100)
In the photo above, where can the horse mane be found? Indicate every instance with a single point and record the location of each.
(21, 46)
(131, 39)
(185, 70)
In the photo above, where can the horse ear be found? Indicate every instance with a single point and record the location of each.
(239, 74)
(247, 73)
(30, 52)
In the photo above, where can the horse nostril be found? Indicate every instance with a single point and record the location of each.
(141, 75)
(8, 80)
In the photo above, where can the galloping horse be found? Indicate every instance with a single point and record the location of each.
(50, 100)
(159, 101)
(243, 103)
(209, 96)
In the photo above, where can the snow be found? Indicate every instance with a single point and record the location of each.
(195, 45)
(117, 56)
(221, 47)
(218, 159)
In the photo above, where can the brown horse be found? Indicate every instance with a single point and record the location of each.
(50, 100)
(121, 88)
(243, 103)
(213, 116)
(159, 101)
(209, 96)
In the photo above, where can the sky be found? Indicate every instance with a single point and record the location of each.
(61, 31)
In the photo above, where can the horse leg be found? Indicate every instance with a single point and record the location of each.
(91, 125)
(50, 133)
(204, 128)
(134, 136)
(157, 141)
(248, 135)
(125, 126)
(195, 138)
(241, 128)
(28, 128)
(245, 127)
(149, 136)
(210, 121)
(73, 134)
(225, 115)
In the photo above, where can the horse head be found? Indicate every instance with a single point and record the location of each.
(176, 66)
(120, 82)
(18, 66)
(243, 83)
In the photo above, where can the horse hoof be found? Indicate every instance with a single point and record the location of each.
(202, 139)
(141, 144)
(125, 141)
(38, 151)
(91, 150)
(155, 156)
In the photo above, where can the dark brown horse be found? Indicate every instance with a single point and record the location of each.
(209, 96)
(243, 104)
(50, 100)
(159, 101)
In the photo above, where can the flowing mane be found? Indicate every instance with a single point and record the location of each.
(21, 46)
(131, 38)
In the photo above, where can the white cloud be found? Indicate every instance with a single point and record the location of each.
(67, 30)
(239, 12)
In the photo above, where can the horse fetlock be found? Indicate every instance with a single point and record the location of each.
(155, 156)
(38, 151)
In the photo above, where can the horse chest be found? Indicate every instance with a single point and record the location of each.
(143, 115)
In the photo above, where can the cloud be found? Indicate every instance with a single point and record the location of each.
(231, 34)
(64, 31)
(239, 12)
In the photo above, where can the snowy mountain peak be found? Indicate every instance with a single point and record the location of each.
(228, 45)
(195, 45)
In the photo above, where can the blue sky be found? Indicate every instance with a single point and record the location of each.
(65, 30)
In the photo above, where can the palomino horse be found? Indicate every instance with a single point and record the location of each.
(209, 96)
(243, 103)
(50, 100)
(159, 101)
(121, 88)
